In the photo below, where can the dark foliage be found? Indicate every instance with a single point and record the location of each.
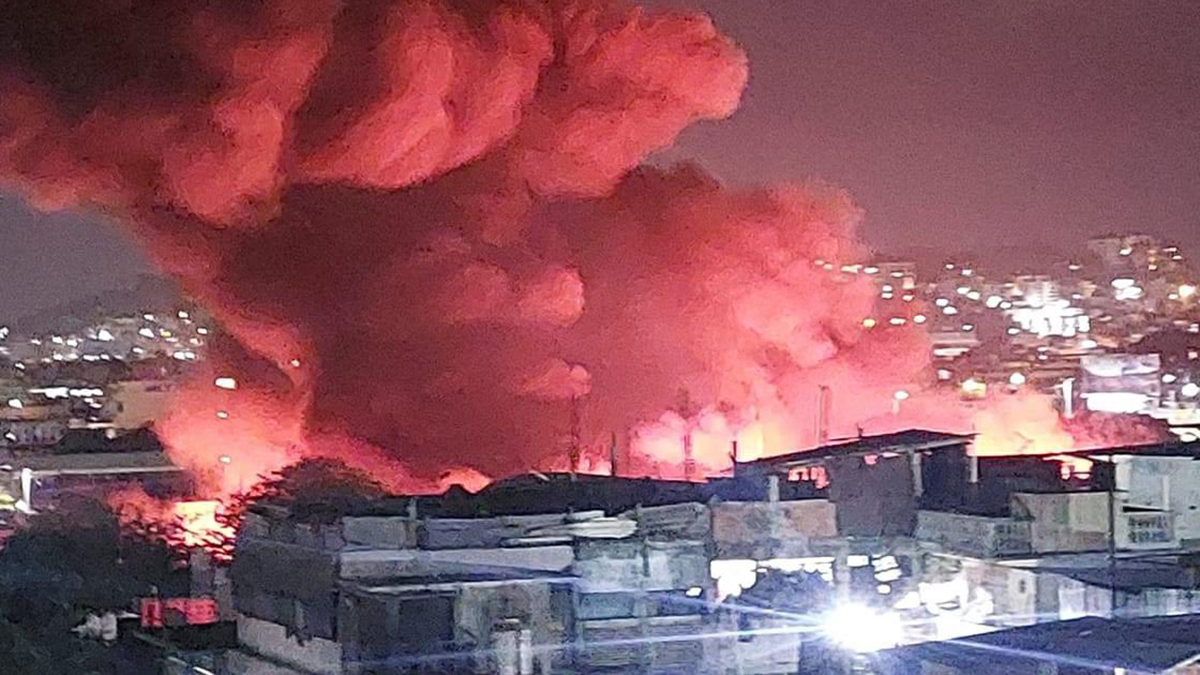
(56, 570)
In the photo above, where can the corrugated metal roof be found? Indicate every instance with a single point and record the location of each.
(912, 440)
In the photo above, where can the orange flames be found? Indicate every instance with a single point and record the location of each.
(182, 524)
(199, 523)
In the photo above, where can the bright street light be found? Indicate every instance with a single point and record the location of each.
(862, 629)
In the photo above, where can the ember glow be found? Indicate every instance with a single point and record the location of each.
(182, 524)
(199, 523)
(425, 227)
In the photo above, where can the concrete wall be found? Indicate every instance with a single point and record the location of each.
(1013, 592)
(378, 563)
(632, 565)
(457, 533)
(321, 657)
(1078, 521)
(1164, 482)
(1063, 522)
(480, 609)
(760, 530)
(974, 535)
(288, 584)
(1147, 531)
(380, 532)
(659, 645)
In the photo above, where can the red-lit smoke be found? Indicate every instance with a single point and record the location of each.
(425, 226)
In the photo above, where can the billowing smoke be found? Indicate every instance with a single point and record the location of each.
(424, 224)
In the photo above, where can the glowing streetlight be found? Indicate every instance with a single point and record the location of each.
(227, 383)
(1190, 390)
(862, 629)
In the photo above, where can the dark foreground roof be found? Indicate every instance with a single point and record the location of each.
(1087, 645)
(1132, 575)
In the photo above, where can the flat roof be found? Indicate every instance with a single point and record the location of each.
(89, 462)
(1171, 449)
(1131, 575)
(453, 575)
(1152, 644)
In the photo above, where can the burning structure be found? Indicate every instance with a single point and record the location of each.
(424, 225)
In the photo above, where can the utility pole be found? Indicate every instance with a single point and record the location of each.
(575, 450)
(1112, 539)
(612, 454)
(823, 403)
(686, 410)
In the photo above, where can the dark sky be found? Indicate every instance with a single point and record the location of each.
(962, 124)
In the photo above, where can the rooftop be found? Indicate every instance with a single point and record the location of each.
(912, 440)
(1171, 449)
(451, 574)
(1132, 575)
(1090, 644)
(89, 463)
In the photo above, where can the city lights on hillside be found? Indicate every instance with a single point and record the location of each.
(227, 383)
(974, 388)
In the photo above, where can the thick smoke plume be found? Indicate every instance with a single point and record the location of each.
(425, 227)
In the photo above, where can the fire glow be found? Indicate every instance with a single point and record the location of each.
(426, 231)
(199, 524)
(183, 525)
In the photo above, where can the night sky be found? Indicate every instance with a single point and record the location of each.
(959, 124)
